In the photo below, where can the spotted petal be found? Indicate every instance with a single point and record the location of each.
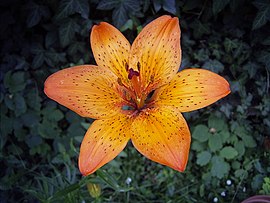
(156, 51)
(162, 135)
(88, 90)
(192, 89)
(110, 49)
(104, 140)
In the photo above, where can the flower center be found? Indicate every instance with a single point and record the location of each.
(136, 96)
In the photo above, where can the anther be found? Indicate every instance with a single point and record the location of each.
(132, 73)
(139, 66)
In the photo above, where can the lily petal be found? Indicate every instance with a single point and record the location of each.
(156, 51)
(103, 141)
(88, 90)
(162, 135)
(110, 49)
(192, 89)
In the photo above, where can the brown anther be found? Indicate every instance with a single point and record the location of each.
(126, 66)
(119, 81)
(132, 73)
(139, 66)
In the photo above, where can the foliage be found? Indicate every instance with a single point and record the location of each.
(40, 139)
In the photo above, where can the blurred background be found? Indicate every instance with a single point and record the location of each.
(40, 140)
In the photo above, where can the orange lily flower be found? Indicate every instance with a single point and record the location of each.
(136, 93)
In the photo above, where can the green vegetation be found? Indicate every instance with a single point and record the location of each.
(229, 157)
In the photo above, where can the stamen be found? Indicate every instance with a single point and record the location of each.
(126, 66)
(132, 73)
(139, 66)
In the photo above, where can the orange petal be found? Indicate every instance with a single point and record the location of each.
(162, 135)
(88, 90)
(110, 49)
(157, 50)
(103, 141)
(192, 89)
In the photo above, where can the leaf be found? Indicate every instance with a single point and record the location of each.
(51, 38)
(201, 133)
(200, 29)
(240, 147)
(219, 5)
(264, 57)
(125, 9)
(203, 158)
(249, 141)
(38, 60)
(219, 168)
(48, 129)
(120, 16)
(35, 13)
(225, 135)
(82, 7)
(67, 31)
(169, 5)
(127, 25)
(69, 7)
(197, 146)
(230, 45)
(30, 119)
(263, 14)
(15, 82)
(157, 5)
(215, 142)
(257, 182)
(108, 4)
(110, 180)
(214, 65)
(228, 153)
(217, 123)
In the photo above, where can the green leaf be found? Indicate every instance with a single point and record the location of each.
(35, 13)
(20, 105)
(120, 16)
(169, 5)
(225, 135)
(219, 168)
(263, 14)
(200, 29)
(157, 5)
(203, 158)
(219, 5)
(82, 7)
(48, 129)
(125, 9)
(230, 45)
(30, 119)
(127, 25)
(240, 147)
(110, 180)
(257, 182)
(228, 153)
(214, 65)
(201, 133)
(108, 4)
(215, 142)
(33, 99)
(38, 60)
(6, 128)
(249, 141)
(218, 123)
(67, 31)
(14, 82)
(69, 7)
(264, 57)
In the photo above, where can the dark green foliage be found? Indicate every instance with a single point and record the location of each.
(40, 139)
